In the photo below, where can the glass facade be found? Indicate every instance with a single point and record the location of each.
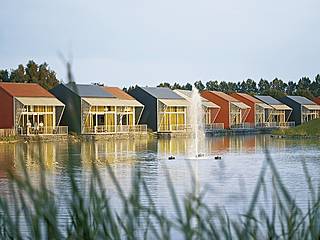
(39, 119)
(260, 114)
(308, 115)
(107, 118)
(172, 118)
(235, 115)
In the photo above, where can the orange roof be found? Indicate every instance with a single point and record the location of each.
(25, 90)
(317, 100)
(249, 97)
(117, 92)
(225, 96)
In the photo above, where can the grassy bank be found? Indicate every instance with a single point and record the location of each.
(33, 212)
(309, 129)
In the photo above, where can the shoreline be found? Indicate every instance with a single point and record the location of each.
(294, 136)
(73, 138)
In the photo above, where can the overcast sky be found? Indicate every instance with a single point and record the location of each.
(127, 42)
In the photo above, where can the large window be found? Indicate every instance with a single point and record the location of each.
(172, 118)
(39, 118)
(278, 116)
(308, 115)
(106, 118)
(260, 114)
(235, 115)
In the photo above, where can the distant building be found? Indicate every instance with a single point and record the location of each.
(30, 109)
(304, 109)
(233, 113)
(92, 110)
(258, 110)
(280, 113)
(210, 109)
(165, 110)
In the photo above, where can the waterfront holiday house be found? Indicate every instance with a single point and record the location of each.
(92, 110)
(29, 109)
(303, 109)
(210, 110)
(258, 109)
(279, 115)
(164, 110)
(233, 113)
(128, 110)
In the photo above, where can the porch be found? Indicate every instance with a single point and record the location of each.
(111, 116)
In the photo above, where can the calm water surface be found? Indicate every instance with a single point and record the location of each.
(229, 182)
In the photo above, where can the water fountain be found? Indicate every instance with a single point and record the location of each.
(197, 124)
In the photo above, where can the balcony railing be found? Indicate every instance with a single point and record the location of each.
(109, 129)
(176, 128)
(242, 126)
(7, 132)
(60, 130)
(214, 126)
(267, 125)
(286, 124)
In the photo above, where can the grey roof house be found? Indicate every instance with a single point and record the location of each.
(91, 110)
(304, 109)
(165, 110)
(280, 112)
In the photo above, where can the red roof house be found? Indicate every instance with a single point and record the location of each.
(233, 112)
(28, 105)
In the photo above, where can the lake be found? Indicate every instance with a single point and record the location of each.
(229, 181)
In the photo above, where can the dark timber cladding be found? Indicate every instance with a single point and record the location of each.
(70, 94)
(303, 109)
(149, 97)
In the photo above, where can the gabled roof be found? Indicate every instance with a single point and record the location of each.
(161, 93)
(268, 100)
(117, 92)
(87, 90)
(225, 96)
(301, 100)
(25, 90)
(277, 105)
(249, 97)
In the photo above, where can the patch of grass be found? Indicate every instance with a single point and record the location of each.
(311, 128)
(92, 216)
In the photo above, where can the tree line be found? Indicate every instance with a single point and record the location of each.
(276, 88)
(31, 73)
(43, 75)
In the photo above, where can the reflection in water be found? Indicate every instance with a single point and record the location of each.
(112, 151)
(229, 181)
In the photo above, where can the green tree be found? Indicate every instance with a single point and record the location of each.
(304, 88)
(164, 84)
(249, 86)
(212, 85)
(176, 86)
(231, 87)
(33, 73)
(223, 86)
(18, 75)
(4, 76)
(199, 85)
(315, 86)
(291, 88)
(263, 87)
(188, 86)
